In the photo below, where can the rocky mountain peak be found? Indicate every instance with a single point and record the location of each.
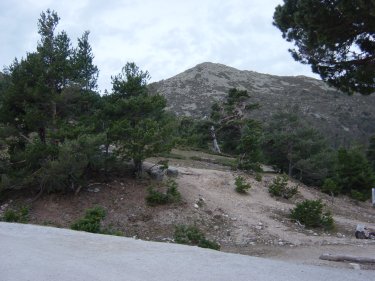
(340, 117)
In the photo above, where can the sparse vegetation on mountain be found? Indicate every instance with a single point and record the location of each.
(335, 37)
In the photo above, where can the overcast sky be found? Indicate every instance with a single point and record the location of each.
(164, 37)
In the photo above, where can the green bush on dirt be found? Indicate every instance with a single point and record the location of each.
(91, 221)
(330, 187)
(310, 213)
(172, 195)
(191, 235)
(21, 215)
(241, 185)
(279, 187)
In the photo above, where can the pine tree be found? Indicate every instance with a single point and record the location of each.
(139, 125)
(86, 72)
(335, 37)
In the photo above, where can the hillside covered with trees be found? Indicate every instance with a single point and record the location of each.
(58, 134)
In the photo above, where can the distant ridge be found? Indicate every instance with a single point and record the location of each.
(340, 117)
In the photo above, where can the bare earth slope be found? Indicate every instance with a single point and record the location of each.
(253, 224)
(341, 117)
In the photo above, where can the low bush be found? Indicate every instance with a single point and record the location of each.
(310, 213)
(191, 235)
(241, 185)
(91, 221)
(360, 196)
(21, 215)
(279, 187)
(258, 177)
(156, 197)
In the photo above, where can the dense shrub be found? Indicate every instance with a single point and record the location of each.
(172, 192)
(310, 213)
(330, 187)
(91, 221)
(241, 185)
(279, 187)
(172, 195)
(258, 177)
(355, 176)
(155, 197)
(191, 235)
(21, 215)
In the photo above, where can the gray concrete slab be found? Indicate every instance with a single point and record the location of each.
(37, 253)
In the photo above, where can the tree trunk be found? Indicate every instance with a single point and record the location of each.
(215, 145)
(42, 134)
(138, 167)
(329, 257)
(290, 168)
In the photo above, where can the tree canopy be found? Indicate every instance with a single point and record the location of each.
(336, 37)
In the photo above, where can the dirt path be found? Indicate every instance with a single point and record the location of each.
(259, 224)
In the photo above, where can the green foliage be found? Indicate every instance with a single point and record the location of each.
(250, 146)
(310, 213)
(20, 215)
(91, 221)
(77, 159)
(330, 186)
(296, 148)
(358, 195)
(258, 177)
(137, 122)
(86, 72)
(194, 133)
(172, 192)
(354, 173)
(155, 197)
(172, 195)
(191, 235)
(279, 187)
(324, 32)
(130, 82)
(371, 152)
(241, 185)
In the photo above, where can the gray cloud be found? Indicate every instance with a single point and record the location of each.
(164, 37)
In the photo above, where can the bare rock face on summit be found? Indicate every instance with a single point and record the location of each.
(341, 118)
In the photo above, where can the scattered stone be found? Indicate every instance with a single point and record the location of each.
(315, 234)
(281, 243)
(259, 223)
(258, 227)
(172, 172)
(216, 227)
(196, 206)
(355, 266)
(95, 190)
